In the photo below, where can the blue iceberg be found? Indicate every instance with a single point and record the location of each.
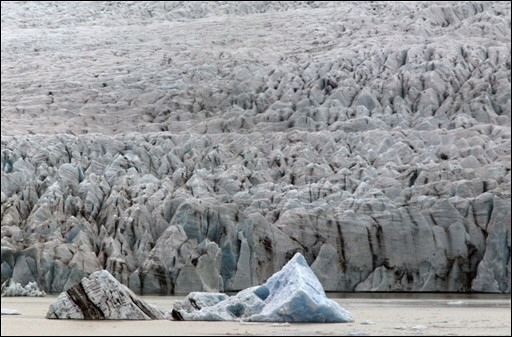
(293, 294)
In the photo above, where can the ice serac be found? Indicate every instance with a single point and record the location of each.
(101, 297)
(11, 288)
(293, 294)
(494, 271)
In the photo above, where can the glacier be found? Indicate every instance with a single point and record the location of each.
(198, 146)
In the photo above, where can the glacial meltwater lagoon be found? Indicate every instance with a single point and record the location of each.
(384, 314)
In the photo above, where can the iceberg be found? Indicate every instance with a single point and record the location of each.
(11, 288)
(101, 297)
(294, 294)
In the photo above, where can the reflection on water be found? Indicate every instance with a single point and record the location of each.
(455, 300)
(420, 296)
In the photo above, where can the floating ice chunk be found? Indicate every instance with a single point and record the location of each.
(367, 322)
(456, 303)
(419, 327)
(293, 294)
(10, 312)
(244, 304)
(11, 288)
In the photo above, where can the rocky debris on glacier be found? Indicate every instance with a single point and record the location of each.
(11, 288)
(100, 296)
(294, 294)
(372, 137)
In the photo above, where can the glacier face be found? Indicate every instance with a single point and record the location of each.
(198, 148)
(293, 294)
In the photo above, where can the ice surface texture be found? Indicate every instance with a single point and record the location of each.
(293, 294)
(197, 146)
(11, 288)
(100, 296)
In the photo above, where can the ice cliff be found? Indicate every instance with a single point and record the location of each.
(197, 146)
